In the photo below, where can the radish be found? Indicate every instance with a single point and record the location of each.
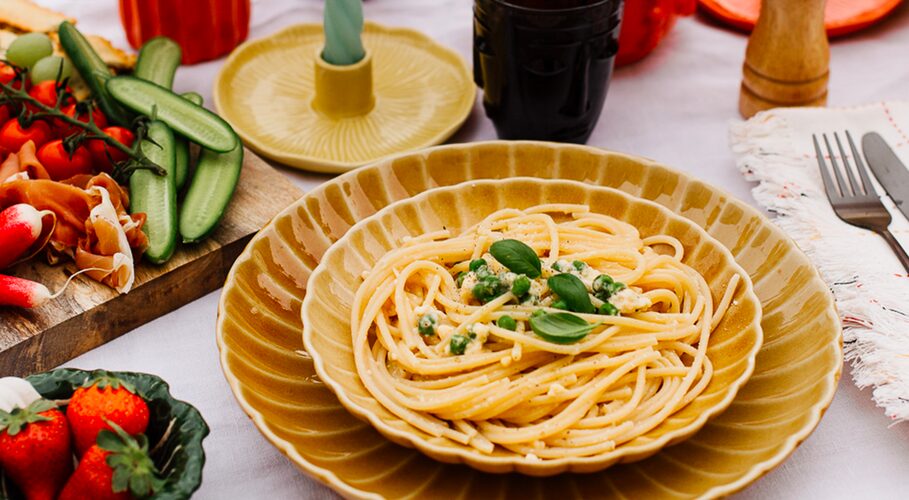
(20, 292)
(20, 227)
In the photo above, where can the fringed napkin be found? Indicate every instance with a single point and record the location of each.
(871, 287)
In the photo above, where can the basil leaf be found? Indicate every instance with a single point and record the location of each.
(517, 257)
(571, 289)
(561, 327)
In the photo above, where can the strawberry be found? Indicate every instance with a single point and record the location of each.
(116, 468)
(104, 398)
(35, 449)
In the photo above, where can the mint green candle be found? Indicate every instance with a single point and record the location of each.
(343, 26)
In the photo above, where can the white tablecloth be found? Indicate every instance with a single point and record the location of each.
(674, 107)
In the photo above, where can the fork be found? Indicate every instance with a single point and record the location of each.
(854, 202)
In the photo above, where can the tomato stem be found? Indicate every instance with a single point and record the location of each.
(140, 162)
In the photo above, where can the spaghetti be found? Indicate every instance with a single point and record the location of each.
(549, 332)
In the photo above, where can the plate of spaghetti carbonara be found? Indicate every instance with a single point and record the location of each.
(530, 325)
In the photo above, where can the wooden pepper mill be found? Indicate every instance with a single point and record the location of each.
(787, 60)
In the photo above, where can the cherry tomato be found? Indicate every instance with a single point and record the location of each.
(100, 150)
(8, 74)
(60, 164)
(5, 114)
(78, 112)
(46, 93)
(13, 136)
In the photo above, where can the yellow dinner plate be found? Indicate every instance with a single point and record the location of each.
(423, 93)
(259, 335)
(327, 336)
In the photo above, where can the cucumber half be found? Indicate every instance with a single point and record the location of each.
(156, 195)
(158, 61)
(189, 120)
(92, 69)
(209, 193)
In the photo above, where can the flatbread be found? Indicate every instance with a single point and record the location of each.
(25, 16)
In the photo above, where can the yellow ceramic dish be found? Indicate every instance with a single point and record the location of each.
(289, 105)
(274, 381)
(327, 310)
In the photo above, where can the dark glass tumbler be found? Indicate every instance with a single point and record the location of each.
(544, 66)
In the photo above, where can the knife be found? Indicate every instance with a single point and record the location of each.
(888, 169)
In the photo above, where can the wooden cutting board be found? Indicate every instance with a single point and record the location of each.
(89, 314)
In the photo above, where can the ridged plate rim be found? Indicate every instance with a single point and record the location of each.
(325, 165)
(329, 477)
(476, 458)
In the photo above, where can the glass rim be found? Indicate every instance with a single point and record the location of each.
(538, 11)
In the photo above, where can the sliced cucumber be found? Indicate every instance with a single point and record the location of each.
(189, 120)
(158, 61)
(193, 97)
(93, 70)
(209, 193)
(156, 195)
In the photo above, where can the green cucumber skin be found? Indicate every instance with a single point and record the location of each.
(88, 63)
(158, 61)
(189, 120)
(183, 156)
(181, 162)
(156, 195)
(209, 193)
(193, 97)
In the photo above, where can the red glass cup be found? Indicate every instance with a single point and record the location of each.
(205, 29)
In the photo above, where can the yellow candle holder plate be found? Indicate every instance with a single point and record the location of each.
(422, 93)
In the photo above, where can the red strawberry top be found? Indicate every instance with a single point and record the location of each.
(35, 449)
(101, 399)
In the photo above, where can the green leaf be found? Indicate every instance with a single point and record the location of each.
(110, 441)
(517, 257)
(561, 327)
(120, 481)
(13, 422)
(571, 289)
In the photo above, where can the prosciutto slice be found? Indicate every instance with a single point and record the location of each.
(93, 227)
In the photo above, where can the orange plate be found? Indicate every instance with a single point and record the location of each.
(841, 16)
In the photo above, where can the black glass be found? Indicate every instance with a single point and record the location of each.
(544, 65)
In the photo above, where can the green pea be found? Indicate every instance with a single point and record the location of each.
(427, 325)
(460, 279)
(507, 322)
(604, 287)
(559, 304)
(608, 309)
(579, 265)
(488, 288)
(476, 264)
(458, 344)
(537, 313)
(601, 281)
(520, 286)
(483, 272)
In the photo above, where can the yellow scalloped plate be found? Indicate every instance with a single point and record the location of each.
(423, 93)
(259, 335)
(326, 311)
